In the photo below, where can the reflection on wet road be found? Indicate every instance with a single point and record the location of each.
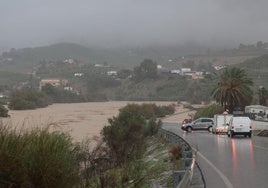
(239, 162)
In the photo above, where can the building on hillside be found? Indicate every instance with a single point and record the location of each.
(112, 73)
(68, 88)
(2, 96)
(198, 75)
(175, 71)
(257, 109)
(52, 81)
(102, 65)
(190, 73)
(219, 67)
(78, 74)
(70, 61)
(183, 70)
(257, 112)
(159, 67)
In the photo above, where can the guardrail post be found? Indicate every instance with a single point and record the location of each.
(183, 177)
(177, 177)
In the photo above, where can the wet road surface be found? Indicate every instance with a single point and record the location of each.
(238, 162)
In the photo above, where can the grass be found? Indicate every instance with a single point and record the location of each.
(159, 163)
(41, 158)
(37, 158)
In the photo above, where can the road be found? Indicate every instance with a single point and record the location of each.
(228, 162)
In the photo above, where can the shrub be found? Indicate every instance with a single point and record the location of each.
(126, 133)
(152, 127)
(37, 159)
(124, 136)
(209, 111)
(94, 160)
(175, 152)
(148, 110)
(59, 95)
(3, 111)
(162, 111)
(28, 99)
(11, 166)
(152, 110)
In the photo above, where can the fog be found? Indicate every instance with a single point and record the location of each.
(113, 23)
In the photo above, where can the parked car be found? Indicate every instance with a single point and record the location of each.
(199, 124)
(239, 126)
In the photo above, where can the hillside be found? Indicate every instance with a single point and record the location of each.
(48, 62)
(23, 60)
(9, 80)
(257, 69)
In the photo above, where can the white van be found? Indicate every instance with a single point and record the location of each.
(239, 126)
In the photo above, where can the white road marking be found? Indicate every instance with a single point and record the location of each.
(223, 177)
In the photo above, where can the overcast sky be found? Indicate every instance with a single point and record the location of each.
(29, 23)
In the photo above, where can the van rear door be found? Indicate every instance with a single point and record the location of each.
(241, 124)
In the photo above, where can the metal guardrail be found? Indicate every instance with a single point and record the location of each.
(181, 178)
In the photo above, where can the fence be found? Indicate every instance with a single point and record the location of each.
(181, 178)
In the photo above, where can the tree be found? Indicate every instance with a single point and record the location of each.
(124, 136)
(124, 73)
(59, 95)
(259, 45)
(147, 69)
(27, 98)
(263, 95)
(233, 89)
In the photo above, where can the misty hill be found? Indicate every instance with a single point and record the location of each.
(99, 86)
(9, 79)
(23, 60)
(28, 58)
(257, 69)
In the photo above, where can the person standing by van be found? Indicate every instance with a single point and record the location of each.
(226, 111)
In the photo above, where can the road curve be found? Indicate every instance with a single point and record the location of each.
(228, 162)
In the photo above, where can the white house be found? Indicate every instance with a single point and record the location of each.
(188, 73)
(159, 67)
(70, 61)
(198, 75)
(175, 71)
(112, 73)
(68, 88)
(52, 81)
(183, 70)
(219, 67)
(78, 74)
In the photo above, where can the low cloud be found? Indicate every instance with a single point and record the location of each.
(132, 22)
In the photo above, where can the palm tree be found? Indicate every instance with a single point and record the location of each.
(263, 95)
(233, 89)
